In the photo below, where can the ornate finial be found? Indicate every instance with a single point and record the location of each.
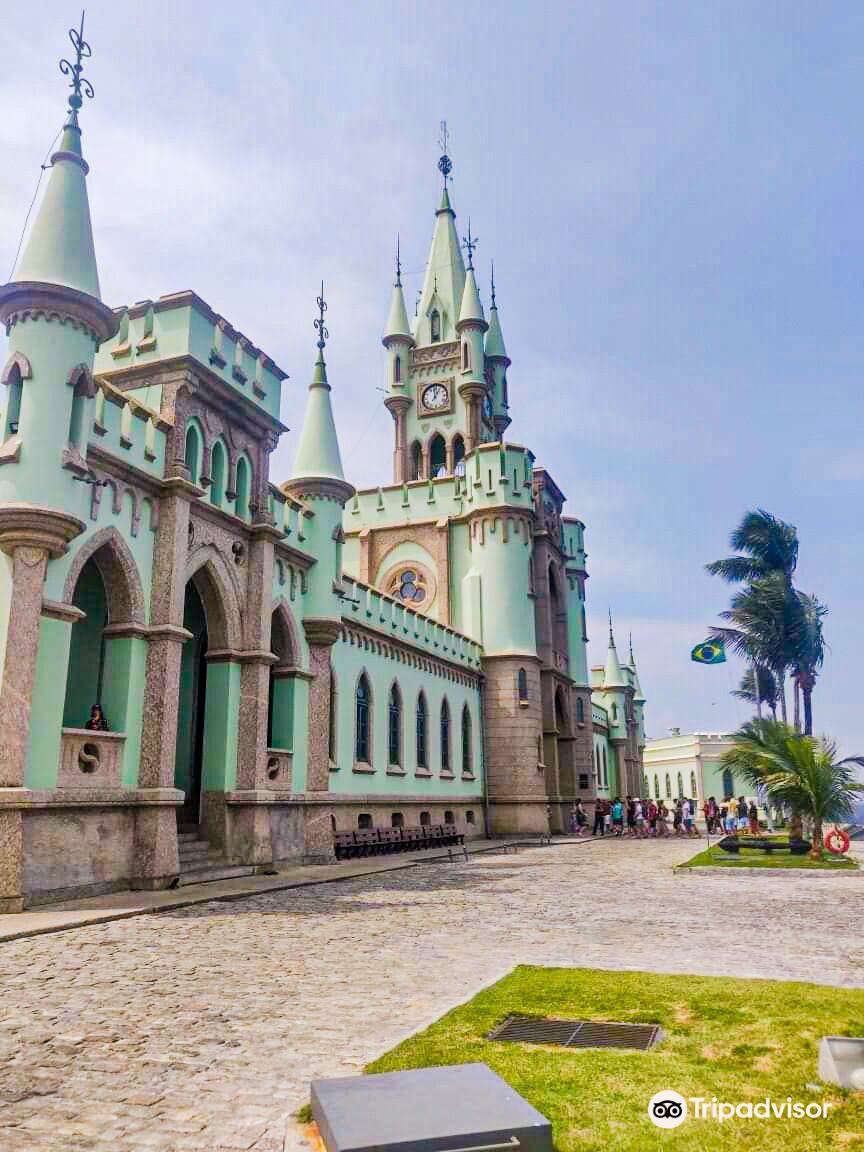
(417, 301)
(398, 264)
(323, 334)
(469, 243)
(632, 661)
(445, 164)
(78, 84)
(494, 305)
(611, 637)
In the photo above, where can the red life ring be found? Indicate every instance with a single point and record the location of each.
(837, 841)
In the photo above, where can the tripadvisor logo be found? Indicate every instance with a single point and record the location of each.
(668, 1109)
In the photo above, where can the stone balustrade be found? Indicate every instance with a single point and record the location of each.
(280, 768)
(90, 759)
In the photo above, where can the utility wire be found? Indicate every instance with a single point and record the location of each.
(42, 168)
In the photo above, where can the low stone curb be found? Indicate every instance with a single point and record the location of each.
(680, 870)
(171, 900)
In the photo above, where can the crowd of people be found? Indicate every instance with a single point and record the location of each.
(640, 818)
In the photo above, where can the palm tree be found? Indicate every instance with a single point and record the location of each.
(797, 771)
(809, 647)
(766, 558)
(758, 687)
(768, 545)
(763, 620)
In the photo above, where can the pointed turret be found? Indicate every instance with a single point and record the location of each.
(318, 457)
(639, 697)
(471, 307)
(444, 282)
(499, 361)
(613, 677)
(495, 349)
(397, 328)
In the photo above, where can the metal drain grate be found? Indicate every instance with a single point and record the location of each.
(577, 1033)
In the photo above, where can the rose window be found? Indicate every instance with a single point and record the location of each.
(410, 586)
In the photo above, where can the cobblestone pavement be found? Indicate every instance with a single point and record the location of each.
(201, 1029)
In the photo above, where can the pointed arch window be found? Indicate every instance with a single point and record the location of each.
(192, 451)
(445, 738)
(397, 370)
(422, 749)
(458, 455)
(580, 710)
(435, 326)
(437, 456)
(467, 743)
(466, 356)
(416, 460)
(394, 727)
(680, 786)
(728, 784)
(522, 686)
(657, 786)
(244, 486)
(362, 726)
(217, 474)
(668, 786)
(694, 792)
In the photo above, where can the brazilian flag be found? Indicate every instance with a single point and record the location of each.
(710, 652)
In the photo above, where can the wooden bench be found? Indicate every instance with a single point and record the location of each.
(378, 841)
(734, 844)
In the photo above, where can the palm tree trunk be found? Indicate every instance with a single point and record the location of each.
(807, 692)
(816, 847)
(796, 688)
(780, 674)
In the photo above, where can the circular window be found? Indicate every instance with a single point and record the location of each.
(412, 584)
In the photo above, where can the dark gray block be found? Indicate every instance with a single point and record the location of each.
(427, 1110)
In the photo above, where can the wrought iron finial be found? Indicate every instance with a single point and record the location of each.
(398, 264)
(611, 637)
(469, 243)
(417, 301)
(445, 164)
(632, 661)
(78, 83)
(494, 305)
(323, 334)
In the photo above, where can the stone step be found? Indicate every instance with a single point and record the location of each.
(187, 837)
(214, 872)
(199, 850)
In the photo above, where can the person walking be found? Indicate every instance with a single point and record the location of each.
(639, 818)
(662, 819)
(678, 817)
(753, 817)
(631, 816)
(600, 809)
(652, 818)
(743, 818)
(578, 819)
(618, 816)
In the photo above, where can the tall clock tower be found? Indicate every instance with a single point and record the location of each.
(446, 390)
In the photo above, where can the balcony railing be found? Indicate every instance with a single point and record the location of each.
(90, 759)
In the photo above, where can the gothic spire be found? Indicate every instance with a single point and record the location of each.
(60, 248)
(494, 337)
(613, 677)
(397, 319)
(318, 456)
(444, 282)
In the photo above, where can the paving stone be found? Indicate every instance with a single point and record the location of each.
(200, 1029)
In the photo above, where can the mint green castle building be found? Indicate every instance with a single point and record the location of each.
(275, 661)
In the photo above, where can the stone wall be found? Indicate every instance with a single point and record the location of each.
(515, 775)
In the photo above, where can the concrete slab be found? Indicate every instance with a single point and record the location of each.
(450, 1109)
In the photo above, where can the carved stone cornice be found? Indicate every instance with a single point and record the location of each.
(321, 487)
(321, 631)
(37, 527)
(32, 301)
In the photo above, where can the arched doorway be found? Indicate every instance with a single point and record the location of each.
(87, 651)
(189, 752)
(280, 706)
(437, 456)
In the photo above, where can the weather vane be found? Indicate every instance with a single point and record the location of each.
(469, 243)
(493, 283)
(417, 301)
(323, 334)
(445, 164)
(78, 84)
(398, 264)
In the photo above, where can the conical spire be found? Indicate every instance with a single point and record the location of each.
(444, 282)
(613, 677)
(60, 248)
(318, 456)
(638, 698)
(397, 320)
(494, 336)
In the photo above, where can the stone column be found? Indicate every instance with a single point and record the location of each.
(321, 635)
(31, 535)
(398, 407)
(156, 861)
(250, 836)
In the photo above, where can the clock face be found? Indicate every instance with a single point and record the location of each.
(435, 397)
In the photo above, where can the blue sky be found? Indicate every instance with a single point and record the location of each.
(670, 192)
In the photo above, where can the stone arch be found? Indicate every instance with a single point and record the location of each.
(17, 367)
(80, 379)
(284, 622)
(116, 564)
(215, 586)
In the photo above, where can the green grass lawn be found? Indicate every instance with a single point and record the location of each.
(738, 1040)
(756, 858)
